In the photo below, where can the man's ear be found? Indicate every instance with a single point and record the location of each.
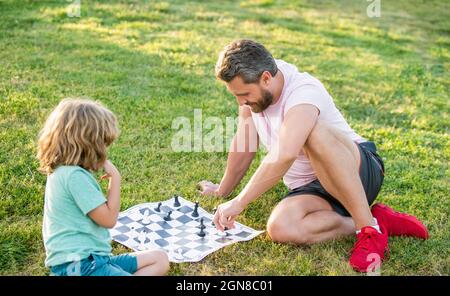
(266, 77)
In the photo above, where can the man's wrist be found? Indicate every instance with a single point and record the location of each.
(219, 192)
(241, 201)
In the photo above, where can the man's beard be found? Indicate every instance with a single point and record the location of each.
(263, 103)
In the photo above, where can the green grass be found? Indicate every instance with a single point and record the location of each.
(151, 62)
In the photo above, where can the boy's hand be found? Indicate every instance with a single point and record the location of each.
(110, 170)
(106, 214)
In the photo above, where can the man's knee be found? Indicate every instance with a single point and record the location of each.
(282, 231)
(323, 136)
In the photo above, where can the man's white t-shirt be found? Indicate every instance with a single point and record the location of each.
(299, 88)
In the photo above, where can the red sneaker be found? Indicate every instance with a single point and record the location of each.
(398, 224)
(369, 249)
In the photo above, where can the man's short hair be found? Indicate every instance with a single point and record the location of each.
(245, 58)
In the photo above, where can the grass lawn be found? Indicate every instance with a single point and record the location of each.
(152, 62)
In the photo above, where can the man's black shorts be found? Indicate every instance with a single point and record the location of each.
(371, 173)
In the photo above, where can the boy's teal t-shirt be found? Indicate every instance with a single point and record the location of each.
(69, 234)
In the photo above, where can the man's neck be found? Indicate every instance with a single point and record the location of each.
(278, 86)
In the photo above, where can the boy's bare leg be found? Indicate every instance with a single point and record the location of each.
(152, 263)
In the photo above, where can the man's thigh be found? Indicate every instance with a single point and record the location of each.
(298, 206)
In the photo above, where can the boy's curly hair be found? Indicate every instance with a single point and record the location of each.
(77, 132)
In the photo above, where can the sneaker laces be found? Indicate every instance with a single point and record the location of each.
(364, 240)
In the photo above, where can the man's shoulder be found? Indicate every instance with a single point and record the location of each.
(282, 65)
(294, 78)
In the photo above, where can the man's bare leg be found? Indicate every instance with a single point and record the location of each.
(336, 160)
(307, 219)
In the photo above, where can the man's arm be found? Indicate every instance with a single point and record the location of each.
(242, 152)
(294, 131)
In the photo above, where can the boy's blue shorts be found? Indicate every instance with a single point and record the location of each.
(95, 265)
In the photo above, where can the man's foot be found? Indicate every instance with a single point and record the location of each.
(399, 224)
(369, 249)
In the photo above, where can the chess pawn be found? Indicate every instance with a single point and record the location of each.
(141, 238)
(202, 226)
(146, 218)
(158, 208)
(167, 217)
(176, 202)
(202, 233)
(195, 211)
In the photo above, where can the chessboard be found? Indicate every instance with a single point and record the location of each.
(180, 227)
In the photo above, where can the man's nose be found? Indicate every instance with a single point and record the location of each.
(242, 102)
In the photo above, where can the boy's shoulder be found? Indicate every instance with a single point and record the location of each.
(72, 176)
(67, 171)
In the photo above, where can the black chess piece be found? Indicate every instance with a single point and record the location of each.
(167, 217)
(195, 211)
(202, 233)
(224, 233)
(158, 208)
(176, 202)
(202, 225)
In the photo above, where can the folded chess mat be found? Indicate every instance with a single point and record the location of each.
(180, 227)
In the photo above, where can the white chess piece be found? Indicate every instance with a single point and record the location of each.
(221, 233)
(179, 254)
(146, 218)
(141, 238)
(133, 233)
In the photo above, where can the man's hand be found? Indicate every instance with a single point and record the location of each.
(226, 214)
(208, 188)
